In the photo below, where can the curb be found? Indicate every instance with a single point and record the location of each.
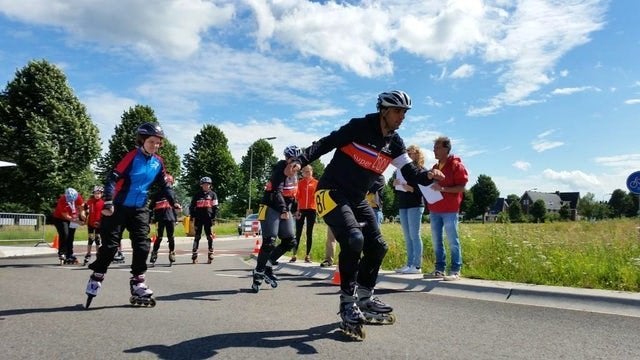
(590, 300)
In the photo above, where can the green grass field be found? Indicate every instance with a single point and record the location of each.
(600, 255)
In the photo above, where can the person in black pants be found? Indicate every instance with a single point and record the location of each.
(165, 217)
(203, 210)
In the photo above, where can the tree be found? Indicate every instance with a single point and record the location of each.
(47, 132)
(209, 156)
(564, 212)
(620, 203)
(538, 210)
(485, 194)
(466, 207)
(515, 209)
(123, 140)
(586, 206)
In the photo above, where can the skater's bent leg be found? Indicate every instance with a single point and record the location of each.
(170, 237)
(267, 247)
(110, 233)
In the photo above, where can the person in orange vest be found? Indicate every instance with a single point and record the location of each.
(275, 216)
(306, 211)
(93, 207)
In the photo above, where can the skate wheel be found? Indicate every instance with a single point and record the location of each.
(132, 300)
(392, 319)
(274, 284)
(152, 302)
(255, 288)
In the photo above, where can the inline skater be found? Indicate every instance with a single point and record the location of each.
(275, 217)
(364, 148)
(203, 210)
(165, 217)
(125, 195)
(93, 208)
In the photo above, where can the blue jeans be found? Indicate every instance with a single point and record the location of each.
(448, 221)
(410, 219)
(379, 215)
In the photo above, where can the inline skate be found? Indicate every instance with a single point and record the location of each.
(153, 258)
(194, 257)
(374, 310)
(119, 258)
(68, 260)
(172, 257)
(210, 256)
(141, 295)
(93, 287)
(352, 321)
(87, 258)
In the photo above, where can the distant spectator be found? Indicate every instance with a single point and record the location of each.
(67, 216)
(306, 211)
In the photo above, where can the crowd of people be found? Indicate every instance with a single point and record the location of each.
(347, 197)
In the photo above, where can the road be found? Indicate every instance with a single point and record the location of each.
(208, 311)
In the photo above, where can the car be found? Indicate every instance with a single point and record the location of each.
(250, 225)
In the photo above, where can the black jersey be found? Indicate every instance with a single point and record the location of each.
(362, 154)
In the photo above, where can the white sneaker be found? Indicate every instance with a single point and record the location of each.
(412, 270)
(452, 276)
(403, 269)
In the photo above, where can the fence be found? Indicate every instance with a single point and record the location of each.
(16, 227)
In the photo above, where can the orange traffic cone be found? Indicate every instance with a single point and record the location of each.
(55, 244)
(256, 249)
(153, 239)
(336, 277)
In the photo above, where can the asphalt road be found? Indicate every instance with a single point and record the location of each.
(208, 311)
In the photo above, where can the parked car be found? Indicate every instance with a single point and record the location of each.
(250, 225)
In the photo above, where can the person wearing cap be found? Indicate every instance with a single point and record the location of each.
(125, 207)
(203, 210)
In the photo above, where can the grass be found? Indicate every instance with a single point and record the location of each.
(599, 255)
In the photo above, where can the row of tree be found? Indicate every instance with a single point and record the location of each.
(47, 132)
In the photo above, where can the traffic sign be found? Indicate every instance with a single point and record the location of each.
(633, 182)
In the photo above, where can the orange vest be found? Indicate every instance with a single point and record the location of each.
(306, 192)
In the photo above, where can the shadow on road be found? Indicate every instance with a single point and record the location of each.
(196, 295)
(208, 346)
(78, 307)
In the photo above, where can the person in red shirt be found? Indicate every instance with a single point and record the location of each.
(306, 210)
(444, 213)
(67, 216)
(93, 207)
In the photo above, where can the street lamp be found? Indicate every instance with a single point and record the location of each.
(251, 169)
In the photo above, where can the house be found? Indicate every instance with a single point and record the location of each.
(552, 201)
(499, 206)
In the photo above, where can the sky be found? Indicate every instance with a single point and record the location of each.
(536, 94)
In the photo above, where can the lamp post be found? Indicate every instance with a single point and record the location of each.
(251, 170)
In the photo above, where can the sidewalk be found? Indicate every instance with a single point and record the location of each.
(591, 300)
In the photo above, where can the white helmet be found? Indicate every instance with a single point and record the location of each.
(292, 151)
(395, 99)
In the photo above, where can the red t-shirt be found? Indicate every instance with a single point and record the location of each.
(94, 208)
(455, 174)
(63, 207)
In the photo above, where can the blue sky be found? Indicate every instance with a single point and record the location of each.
(538, 94)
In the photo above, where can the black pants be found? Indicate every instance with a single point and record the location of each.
(66, 235)
(356, 266)
(308, 215)
(170, 226)
(136, 221)
(205, 224)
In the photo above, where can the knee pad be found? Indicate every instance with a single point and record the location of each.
(289, 243)
(268, 244)
(356, 240)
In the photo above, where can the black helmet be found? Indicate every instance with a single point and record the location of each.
(150, 129)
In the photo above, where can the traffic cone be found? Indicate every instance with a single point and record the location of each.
(336, 277)
(55, 244)
(256, 249)
(153, 239)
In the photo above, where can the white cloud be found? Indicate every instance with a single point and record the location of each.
(432, 102)
(463, 71)
(632, 101)
(625, 162)
(564, 73)
(521, 165)
(168, 28)
(313, 114)
(541, 145)
(574, 178)
(106, 109)
(573, 90)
